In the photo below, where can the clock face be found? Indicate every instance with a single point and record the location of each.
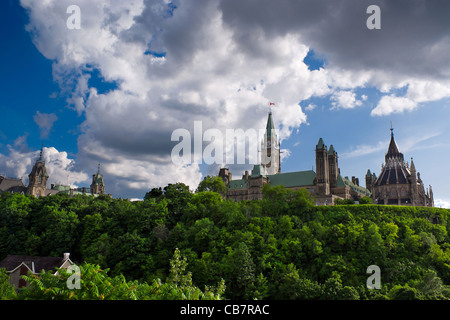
(268, 144)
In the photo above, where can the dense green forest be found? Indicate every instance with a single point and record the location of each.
(281, 247)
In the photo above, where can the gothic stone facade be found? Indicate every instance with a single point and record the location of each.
(398, 183)
(38, 178)
(326, 184)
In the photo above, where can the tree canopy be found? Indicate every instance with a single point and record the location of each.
(281, 247)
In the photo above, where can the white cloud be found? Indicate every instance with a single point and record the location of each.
(219, 67)
(206, 75)
(418, 91)
(310, 107)
(392, 104)
(61, 169)
(440, 203)
(363, 150)
(45, 122)
(285, 153)
(345, 100)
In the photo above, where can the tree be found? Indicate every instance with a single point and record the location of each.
(96, 284)
(365, 200)
(7, 291)
(214, 184)
(178, 196)
(334, 290)
(343, 201)
(155, 193)
(244, 270)
(405, 292)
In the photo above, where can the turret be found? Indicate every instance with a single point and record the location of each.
(38, 177)
(369, 180)
(97, 186)
(226, 176)
(270, 149)
(322, 169)
(333, 166)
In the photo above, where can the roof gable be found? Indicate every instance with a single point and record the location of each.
(12, 262)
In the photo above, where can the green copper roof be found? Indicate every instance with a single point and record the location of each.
(257, 171)
(342, 182)
(61, 188)
(320, 144)
(238, 184)
(269, 126)
(331, 151)
(98, 179)
(293, 179)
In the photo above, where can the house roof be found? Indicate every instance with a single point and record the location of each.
(12, 262)
(342, 182)
(12, 185)
(238, 184)
(293, 179)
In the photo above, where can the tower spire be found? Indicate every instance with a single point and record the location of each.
(393, 151)
(412, 167)
(41, 154)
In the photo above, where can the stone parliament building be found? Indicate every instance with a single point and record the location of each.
(37, 185)
(397, 183)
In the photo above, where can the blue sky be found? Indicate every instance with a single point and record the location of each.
(113, 91)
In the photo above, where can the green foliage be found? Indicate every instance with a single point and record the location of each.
(343, 201)
(282, 247)
(213, 184)
(96, 284)
(365, 200)
(7, 291)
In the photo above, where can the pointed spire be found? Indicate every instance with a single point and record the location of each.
(393, 151)
(412, 167)
(270, 126)
(41, 154)
(331, 150)
(320, 144)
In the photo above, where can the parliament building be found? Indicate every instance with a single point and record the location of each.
(37, 183)
(397, 183)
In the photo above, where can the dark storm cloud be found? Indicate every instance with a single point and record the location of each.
(413, 39)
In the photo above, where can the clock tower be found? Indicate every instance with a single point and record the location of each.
(270, 149)
(38, 178)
